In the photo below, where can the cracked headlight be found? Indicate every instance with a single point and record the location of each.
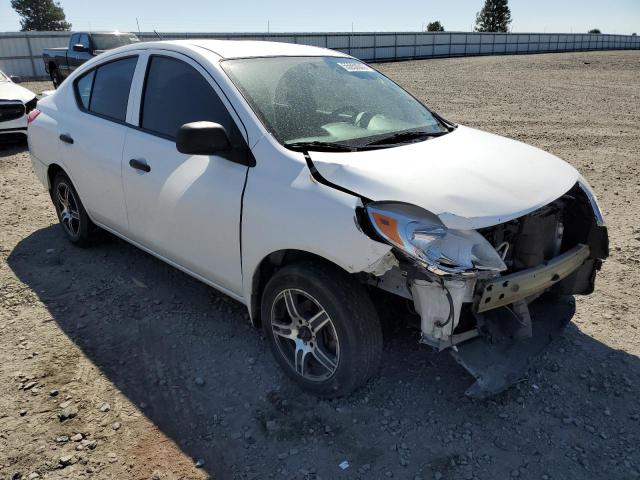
(421, 235)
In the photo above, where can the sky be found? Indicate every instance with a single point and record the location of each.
(610, 16)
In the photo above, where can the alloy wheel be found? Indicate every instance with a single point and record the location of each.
(67, 207)
(305, 335)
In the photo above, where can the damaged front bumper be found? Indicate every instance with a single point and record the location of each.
(496, 325)
(516, 317)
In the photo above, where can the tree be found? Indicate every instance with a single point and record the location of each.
(435, 27)
(594, 30)
(634, 34)
(40, 15)
(495, 16)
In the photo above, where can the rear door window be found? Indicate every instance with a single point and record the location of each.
(83, 87)
(105, 89)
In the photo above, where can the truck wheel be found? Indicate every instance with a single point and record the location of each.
(56, 78)
(75, 222)
(322, 328)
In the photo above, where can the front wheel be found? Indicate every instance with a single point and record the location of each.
(322, 328)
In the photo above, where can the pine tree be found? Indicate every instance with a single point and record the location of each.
(40, 15)
(495, 16)
(435, 27)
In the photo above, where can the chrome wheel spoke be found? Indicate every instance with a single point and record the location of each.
(292, 308)
(318, 321)
(323, 358)
(301, 357)
(282, 330)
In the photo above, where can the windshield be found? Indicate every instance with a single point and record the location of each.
(104, 41)
(327, 100)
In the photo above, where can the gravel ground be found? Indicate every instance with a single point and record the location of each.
(115, 365)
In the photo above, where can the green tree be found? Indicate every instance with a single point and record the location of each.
(495, 16)
(40, 15)
(435, 27)
(594, 30)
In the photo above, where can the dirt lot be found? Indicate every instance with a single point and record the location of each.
(114, 365)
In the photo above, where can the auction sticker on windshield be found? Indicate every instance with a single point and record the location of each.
(356, 67)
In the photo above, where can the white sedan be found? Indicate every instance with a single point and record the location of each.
(310, 187)
(15, 104)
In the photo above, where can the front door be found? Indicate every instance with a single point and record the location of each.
(184, 207)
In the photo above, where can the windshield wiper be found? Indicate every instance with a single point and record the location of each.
(320, 146)
(405, 137)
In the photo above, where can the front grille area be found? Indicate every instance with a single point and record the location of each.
(11, 111)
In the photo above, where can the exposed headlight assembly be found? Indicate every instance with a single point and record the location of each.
(422, 236)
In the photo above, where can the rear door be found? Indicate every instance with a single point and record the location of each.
(185, 207)
(92, 137)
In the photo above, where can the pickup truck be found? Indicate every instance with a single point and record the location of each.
(83, 46)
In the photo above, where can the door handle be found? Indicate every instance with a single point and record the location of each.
(139, 165)
(66, 138)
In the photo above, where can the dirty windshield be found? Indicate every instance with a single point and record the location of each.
(329, 101)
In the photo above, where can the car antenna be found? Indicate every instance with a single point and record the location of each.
(158, 35)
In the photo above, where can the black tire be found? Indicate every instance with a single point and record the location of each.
(74, 221)
(56, 78)
(353, 321)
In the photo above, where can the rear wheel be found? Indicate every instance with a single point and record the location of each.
(73, 218)
(322, 327)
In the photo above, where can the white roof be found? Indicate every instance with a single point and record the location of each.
(250, 48)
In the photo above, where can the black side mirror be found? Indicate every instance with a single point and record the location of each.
(78, 47)
(15, 78)
(202, 138)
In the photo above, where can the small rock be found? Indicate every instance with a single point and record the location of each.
(23, 412)
(54, 393)
(33, 476)
(62, 439)
(199, 463)
(50, 251)
(67, 413)
(77, 437)
(65, 404)
(30, 385)
(271, 425)
(67, 460)
(115, 425)
(199, 381)
(90, 444)
(105, 407)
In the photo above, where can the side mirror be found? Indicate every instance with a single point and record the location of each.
(202, 138)
(15, 78)
(78, 47)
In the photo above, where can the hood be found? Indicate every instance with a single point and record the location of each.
(12, 91)
(470, 179)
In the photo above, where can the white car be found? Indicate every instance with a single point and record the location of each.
(310, 187)
(15, 104)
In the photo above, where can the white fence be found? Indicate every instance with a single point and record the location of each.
(21, 52)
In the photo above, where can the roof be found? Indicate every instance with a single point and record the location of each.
(253, 48)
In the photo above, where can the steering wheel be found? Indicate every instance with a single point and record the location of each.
(346, 109)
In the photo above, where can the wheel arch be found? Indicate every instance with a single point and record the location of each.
(52, 171)
(269, 265)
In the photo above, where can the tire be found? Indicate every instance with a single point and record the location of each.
(73, 218)
(56, 78)
(340, 348)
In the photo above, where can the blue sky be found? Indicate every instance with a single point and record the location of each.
(612, 16)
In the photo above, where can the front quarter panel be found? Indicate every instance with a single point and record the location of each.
(284, 208)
